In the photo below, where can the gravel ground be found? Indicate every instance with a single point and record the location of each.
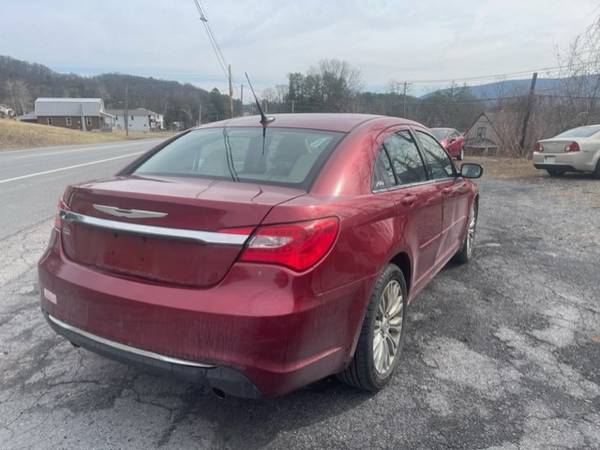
(502, 353)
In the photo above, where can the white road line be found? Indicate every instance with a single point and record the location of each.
(60, 169)
(85, 149)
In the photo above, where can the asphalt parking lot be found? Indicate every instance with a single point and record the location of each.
(502, 353)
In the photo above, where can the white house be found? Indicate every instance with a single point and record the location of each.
(6, 111)
(139, 119)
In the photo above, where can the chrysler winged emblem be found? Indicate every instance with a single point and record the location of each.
(129, 213)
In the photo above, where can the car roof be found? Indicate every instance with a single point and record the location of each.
(341, 122)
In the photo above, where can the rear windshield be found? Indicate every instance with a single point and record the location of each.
(581, 132)
(287, 156)
(440, 133)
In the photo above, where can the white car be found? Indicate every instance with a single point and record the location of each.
(575, 150)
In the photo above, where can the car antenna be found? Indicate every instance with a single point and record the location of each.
(264, 120)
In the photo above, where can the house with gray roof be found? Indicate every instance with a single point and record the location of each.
(76, 113)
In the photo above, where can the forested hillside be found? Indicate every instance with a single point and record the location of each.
(22, 82)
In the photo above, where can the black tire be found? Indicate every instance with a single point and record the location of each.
(597, 171)
(465, 254)
(361, 372)
(555, 172)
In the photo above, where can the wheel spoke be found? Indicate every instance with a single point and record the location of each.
(384, 354)
(391, 351)
(396, 319)
(384, 300)
(392, 344)
(377, 352)
(381, 309)
(377, 325)
(396, 307)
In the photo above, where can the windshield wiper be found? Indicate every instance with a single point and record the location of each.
(229, 156)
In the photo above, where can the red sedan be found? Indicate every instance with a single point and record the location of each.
(452, 140)
(257, 259)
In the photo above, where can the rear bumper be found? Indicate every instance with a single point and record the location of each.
(223, 379)
(563, 167)
(576, 162)
(262, 331)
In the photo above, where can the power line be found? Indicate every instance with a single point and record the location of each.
(495, 76)
(211, 38)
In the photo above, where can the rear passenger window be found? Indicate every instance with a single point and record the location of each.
(384, 177)
(406, 160)
(438, 161)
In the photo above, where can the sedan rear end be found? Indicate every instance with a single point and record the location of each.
(257, 260)
(576, 150)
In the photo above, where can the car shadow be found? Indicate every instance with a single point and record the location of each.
(575, 176)
(255, 423)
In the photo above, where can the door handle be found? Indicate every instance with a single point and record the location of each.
(409, 200)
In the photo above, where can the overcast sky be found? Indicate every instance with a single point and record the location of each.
(416, 40)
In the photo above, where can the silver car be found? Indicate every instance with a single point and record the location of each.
(575, 150)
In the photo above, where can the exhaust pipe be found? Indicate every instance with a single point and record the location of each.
(218, 393)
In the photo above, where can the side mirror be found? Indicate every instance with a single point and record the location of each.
(471, 170)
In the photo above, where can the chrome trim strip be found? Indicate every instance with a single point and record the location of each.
(129, 213)
(409, 185)
(207, 237)
(127, 348)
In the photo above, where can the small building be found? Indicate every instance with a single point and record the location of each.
(138, 119)
(492, 133)
(76, 113)
(6, 112)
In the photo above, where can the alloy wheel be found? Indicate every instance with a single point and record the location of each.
(388, 327)
(471, 232)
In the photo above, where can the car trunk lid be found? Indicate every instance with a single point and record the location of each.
(555, 145)
(164, 229)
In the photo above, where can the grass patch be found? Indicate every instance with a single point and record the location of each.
(17, 135)
(506, 168)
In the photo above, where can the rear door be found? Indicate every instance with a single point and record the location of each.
(454, 191)
(419, 204)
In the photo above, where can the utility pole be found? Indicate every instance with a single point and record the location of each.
(199, 113)
(230, 92)
(293, 106)
(83, 124)
(126, 115)
(242, 98)
(404, 99)
(530, 100)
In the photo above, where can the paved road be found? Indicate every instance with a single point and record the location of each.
(501, 354)
(31, 181)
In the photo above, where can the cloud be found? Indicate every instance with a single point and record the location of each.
(384, 39)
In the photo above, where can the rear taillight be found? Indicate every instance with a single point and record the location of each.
(297, 245)
(539, 147)
(572, 147)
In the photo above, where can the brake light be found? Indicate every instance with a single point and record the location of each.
(297, 245)
(539, 147)
(572, 147)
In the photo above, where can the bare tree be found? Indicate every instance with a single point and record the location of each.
(19, 96)
(580, 74)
